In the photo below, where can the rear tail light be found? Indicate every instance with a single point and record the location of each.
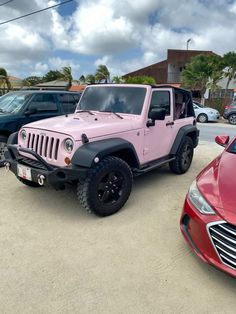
(228, 107)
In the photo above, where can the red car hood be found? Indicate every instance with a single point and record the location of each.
(217, 183)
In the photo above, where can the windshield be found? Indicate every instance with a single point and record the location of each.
(198, 104)
(12, 102)
(113, 99)
(232, 148)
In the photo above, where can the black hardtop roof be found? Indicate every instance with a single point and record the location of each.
(170, 86)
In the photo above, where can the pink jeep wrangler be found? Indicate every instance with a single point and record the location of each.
(118, 131)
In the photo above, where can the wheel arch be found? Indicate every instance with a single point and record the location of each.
(187, 130)
(118, 147)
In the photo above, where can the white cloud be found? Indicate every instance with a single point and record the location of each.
(108, 29)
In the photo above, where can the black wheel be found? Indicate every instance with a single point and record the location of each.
(3, 148)
(29, 183)
(232, 119)
(107, 187)
(203, 118)
(184, 157)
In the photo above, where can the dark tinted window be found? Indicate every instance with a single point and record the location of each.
(116, 99)
(161, 99)
(43, 103)
(68, 102)
(232, 148)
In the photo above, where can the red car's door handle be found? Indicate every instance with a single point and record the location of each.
(170, 123)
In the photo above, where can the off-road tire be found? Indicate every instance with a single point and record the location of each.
(110, 173)
(29, 183)
(3, 145)
(232, 119)
(202, 118)
(183, 158)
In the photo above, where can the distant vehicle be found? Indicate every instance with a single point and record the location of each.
(22, 107)
(230, 113)
(205, 114)
(208, 220)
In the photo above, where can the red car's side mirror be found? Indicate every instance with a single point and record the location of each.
(222, 140)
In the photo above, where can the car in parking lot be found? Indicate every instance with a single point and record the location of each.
(208, 220)
(205, 114)
(230, 113)
(22, 107)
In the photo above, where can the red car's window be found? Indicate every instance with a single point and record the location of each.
(232, 148)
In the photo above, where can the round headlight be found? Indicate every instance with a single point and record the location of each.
(23, 135)
(69, 145)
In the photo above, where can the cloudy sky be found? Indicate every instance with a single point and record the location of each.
(125, 35)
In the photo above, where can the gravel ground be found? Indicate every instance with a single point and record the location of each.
(56, 258)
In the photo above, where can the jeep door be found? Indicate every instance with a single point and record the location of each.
(159, 138)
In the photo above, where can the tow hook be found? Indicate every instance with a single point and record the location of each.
(7, 166)
(41, 179)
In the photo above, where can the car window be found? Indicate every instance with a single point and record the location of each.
(232, 148)
(195, 107)
(68, 102)
(13, 102)
(43, 103)
(161, 99)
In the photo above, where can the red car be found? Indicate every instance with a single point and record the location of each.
(208, 220)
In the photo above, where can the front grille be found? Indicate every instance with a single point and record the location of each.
(223, 236)
(45, 146)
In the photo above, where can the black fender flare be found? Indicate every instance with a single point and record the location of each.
(187, 130)
(86, 154)
(13, 138)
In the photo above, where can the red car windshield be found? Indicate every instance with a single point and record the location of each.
(232, 148)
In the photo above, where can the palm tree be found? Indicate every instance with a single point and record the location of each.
(229, 60)
(67, 75)
(102, 74)
(90, 79)
(197, 73)
(117, 79)
(5, 84)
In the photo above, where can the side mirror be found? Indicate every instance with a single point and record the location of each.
(222, 140)
(30, 111)
(157, 114)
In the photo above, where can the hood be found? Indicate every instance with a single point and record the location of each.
(96, 125)
(210, 109)
(217, 183)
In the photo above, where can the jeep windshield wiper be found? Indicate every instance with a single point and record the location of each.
(79, 111)
(116, 114)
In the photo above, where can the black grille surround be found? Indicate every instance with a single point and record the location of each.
(223, 237)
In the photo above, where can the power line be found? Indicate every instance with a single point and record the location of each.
(6, 2)
(34, 12)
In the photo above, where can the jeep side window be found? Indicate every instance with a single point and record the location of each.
(43, 103)
(161, 99)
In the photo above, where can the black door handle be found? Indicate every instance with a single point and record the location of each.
(170, 123)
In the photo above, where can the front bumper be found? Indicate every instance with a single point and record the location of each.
(54, 176)
(194, 227)
(213, 117)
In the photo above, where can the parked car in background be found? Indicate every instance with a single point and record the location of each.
(208, 221)
(22, 107)
(230, 113)
(205, 114)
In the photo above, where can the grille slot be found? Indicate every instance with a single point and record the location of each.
(45, 146)
(223, 236)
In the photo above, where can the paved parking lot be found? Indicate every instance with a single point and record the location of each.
(56, 258)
